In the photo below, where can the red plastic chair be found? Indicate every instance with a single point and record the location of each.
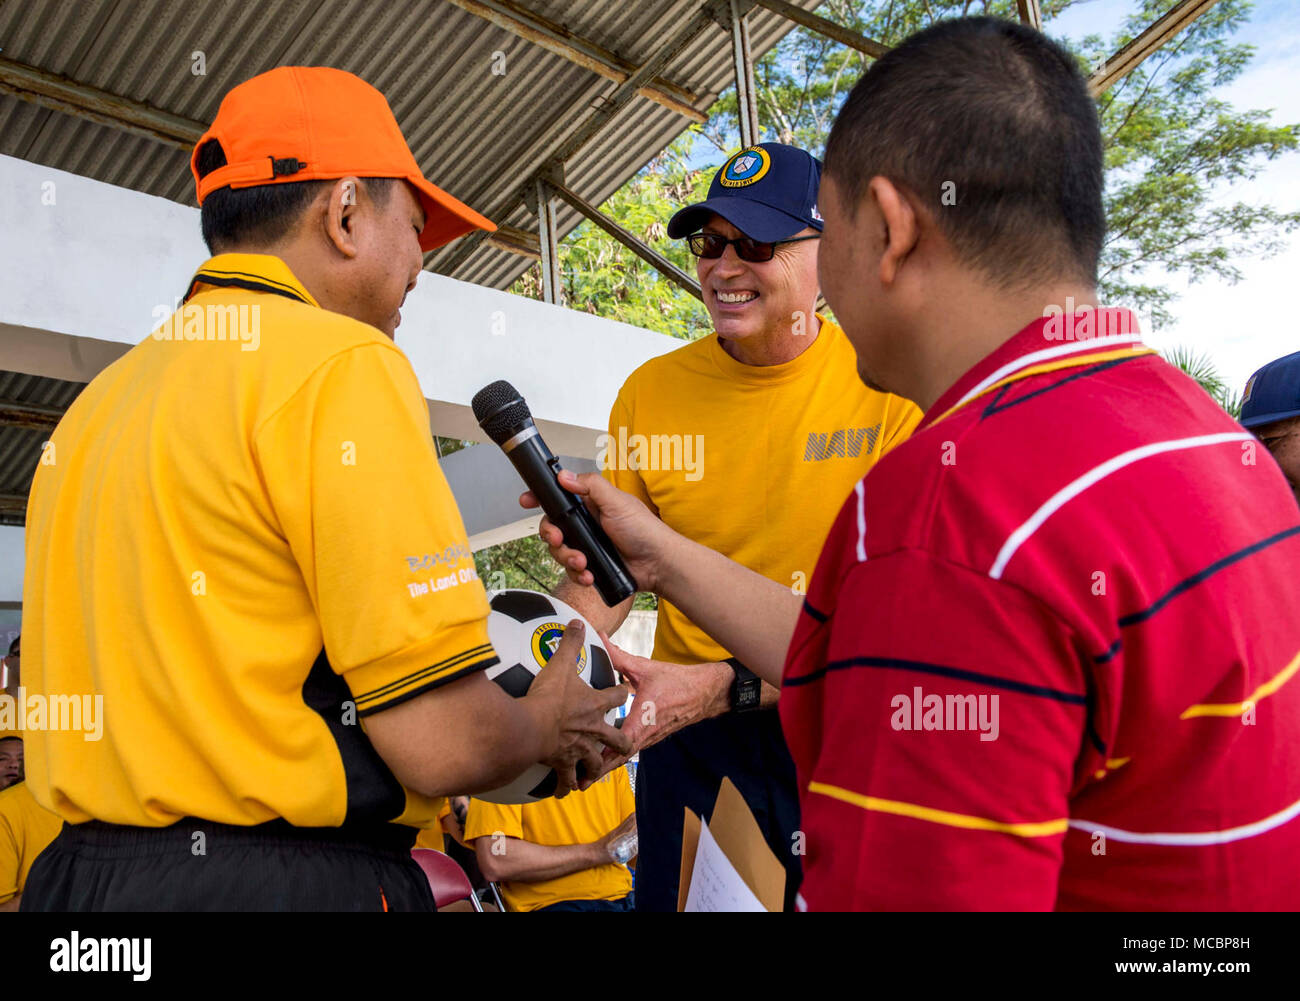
(447, 880)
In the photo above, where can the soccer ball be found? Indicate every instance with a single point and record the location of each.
(525, 628)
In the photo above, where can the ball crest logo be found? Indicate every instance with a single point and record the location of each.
(746, 167)
(546, 638)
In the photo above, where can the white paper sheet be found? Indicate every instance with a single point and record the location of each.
(715, 884)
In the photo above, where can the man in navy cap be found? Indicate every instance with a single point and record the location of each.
(1270, 407)
(748, 441)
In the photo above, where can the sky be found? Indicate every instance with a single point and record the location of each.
(1239, 327)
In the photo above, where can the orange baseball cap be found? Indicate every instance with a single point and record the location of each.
(315, 123)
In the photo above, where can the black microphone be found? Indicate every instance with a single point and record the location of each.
(502, 413)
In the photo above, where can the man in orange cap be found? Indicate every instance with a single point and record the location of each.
(246, 547)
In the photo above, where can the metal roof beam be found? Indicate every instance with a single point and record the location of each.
(531, 26)
(652, 257)
(49, 90)
(15, 414)
(742, 63)
(516, 241)
(1127, 59)
(15, 506)
(465, 248)
(819, 24)
(625, 91)
(549, 241)
(599, 117)
(1030, 13)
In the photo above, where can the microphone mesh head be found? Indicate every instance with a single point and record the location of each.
(500, 411)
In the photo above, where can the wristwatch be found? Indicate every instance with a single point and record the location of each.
(746, 688)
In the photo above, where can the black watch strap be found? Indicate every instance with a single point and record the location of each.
(746, 689)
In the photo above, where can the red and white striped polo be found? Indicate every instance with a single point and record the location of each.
(1047, 656)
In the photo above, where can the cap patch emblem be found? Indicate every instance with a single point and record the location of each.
(746, 167)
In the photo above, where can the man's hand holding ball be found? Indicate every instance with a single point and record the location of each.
(578, 711)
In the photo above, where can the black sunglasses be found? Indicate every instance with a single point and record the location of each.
(714, 245)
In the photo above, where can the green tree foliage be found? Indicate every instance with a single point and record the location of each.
(1169, 142)
(527, 563)
(1171, 147)
(601, 276)
(1204, 371)
(522, 563)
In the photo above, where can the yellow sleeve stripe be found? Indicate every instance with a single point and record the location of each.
(948, 819)
(1111, 765)
(1075, 361)
(1237, 708)
(476, 657)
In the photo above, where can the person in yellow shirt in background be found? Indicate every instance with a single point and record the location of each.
(11, 760)
(746, 441)
(26, 827)
(560, 854)
(11, 665)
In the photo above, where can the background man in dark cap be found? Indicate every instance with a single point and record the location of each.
(1270, 407)
(745, 440)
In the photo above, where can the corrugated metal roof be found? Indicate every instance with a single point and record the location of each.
(475, 133)
(480, 136)
(20, 447)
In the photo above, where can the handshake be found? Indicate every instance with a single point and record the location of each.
(748, 614)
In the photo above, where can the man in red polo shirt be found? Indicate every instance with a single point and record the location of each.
(1047, 657)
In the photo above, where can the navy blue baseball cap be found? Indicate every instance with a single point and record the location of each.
(768, 192)
(1272, 393)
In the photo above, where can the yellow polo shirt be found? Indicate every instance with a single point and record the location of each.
(26, 828)
(579, 818)
(433, 835)
(752, 461)
(240, 538)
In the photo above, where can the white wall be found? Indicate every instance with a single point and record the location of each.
(85, 264)
(637, 633)
(11, 564)
(81, 283)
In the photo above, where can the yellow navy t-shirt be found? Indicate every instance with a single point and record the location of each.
(752, 461)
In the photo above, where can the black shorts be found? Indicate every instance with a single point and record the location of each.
(96, 866)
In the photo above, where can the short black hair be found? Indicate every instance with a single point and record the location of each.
(13, 647)
(232, 217)
(989, 123)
